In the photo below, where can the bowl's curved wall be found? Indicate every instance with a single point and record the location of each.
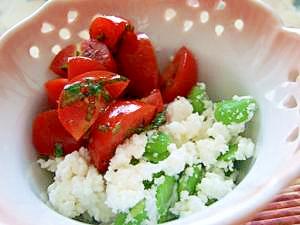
(241, 48)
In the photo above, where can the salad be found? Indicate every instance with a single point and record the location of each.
(128, 145)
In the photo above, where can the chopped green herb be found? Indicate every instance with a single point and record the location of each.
(73, 88)
(72, 93)
(90, 111)
(86, 218)
(160, 119)
(159, 174)
(129, 27)
(116, 129)
(134, 161)
(148, 184)
(211, 201)
(103, 128)
(101, 37)
(105, 95)
(77, 53)
(58, 150)
(228, 173)
(64, 67)
(94, 89)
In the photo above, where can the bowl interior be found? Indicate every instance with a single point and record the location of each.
(241, 49)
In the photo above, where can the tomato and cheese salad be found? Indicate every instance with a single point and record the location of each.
(131, 145)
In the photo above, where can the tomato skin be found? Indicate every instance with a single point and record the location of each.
(79, 65)
(48, 131)
(155, 98)
(98, 51)
(180, 76)
(76, 117)
(53, 89)
(60, 61)
(114, 126)
(136, 60)
(108, 29)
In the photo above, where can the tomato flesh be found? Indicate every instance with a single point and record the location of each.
(47, 132)
(59, 64)
(84, 97)
(114, 126)
(79, 65)
(108, 29)
(53, 89)
(136, 60)
(180, 76)
(99, 52)
(155, 98)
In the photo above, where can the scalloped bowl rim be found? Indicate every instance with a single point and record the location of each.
(262, 196)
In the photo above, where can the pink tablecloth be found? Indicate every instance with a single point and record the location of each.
(284, 210)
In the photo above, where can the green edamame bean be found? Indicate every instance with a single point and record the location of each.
(189, 179)
(166, 196)
(157, 147)
(229, 155)
(120, 219)
(197, 96)
(136, 215)
(237, 110)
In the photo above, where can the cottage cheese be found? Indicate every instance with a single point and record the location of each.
(78, 187)
(196, 139)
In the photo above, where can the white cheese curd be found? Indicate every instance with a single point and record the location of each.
(210, 149)
(236, 129)
(215, 186)
(79, 188)
(226, 166)
(179, 109)
(219, 131)
(245, 149)
(196, 139)
(133, 147)
(186, 130)
(125, 187)
(188, 205)
(50, 164)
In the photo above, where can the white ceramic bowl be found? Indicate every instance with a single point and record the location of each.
(241, 47)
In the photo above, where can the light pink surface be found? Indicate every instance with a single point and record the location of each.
(257, 60)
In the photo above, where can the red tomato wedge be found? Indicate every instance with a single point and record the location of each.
(84, 97)
(54, 88)
(108, 29)
(137, 61)
(180, 76)
(59, 64)
(48, 134)
(155, 99)
(79, 65)
(114, 126)
(99, 52)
